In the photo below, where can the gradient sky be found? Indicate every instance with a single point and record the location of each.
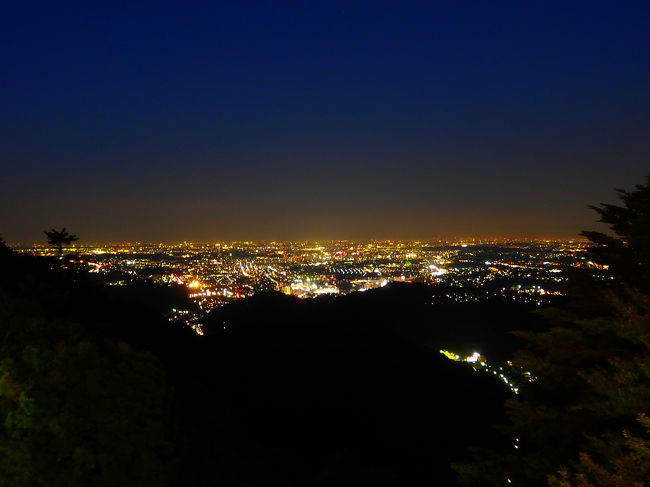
(296, 120)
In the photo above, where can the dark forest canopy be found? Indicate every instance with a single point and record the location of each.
(79, 406)
(583, 421)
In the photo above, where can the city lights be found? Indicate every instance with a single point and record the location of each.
(530, 272)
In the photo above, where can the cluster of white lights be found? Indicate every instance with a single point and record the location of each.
(477, 358)
(436, 271)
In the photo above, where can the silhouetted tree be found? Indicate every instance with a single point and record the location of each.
(60, 238)
(621, 385)
(592, 370)
(627, 252)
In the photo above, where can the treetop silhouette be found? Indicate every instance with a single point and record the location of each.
(627, 250)
(583, 421)
(60, 238)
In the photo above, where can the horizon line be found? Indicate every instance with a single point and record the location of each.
(315, 240)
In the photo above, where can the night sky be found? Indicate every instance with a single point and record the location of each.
(301, 120)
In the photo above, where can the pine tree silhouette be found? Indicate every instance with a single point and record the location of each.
(59, 238)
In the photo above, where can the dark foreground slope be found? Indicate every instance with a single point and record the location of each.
(343, 391)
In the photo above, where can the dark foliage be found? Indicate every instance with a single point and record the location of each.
(79, 407)
(627, 250)
(592, 371)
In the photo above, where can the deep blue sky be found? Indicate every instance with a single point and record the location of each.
(282, 120)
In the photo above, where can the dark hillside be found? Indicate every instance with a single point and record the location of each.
(280, 391)
(350, 385)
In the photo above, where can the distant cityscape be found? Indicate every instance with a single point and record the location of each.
(215, 274)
